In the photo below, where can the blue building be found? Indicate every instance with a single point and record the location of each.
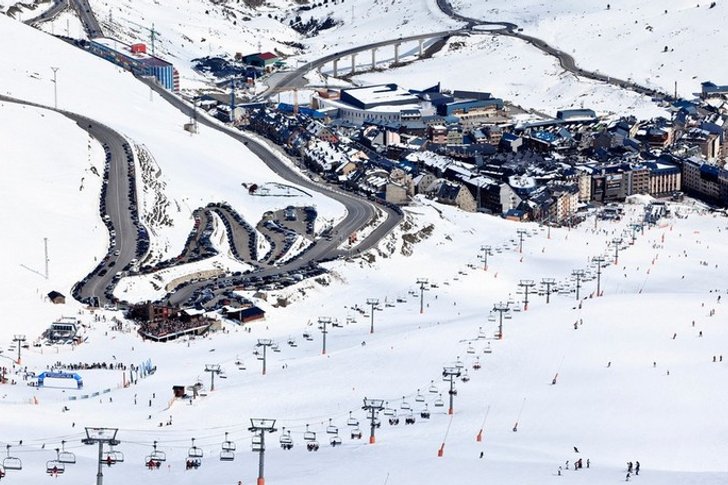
(134, 58)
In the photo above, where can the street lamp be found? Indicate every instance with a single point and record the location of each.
(261, 426)
(55, 87)
(100, 436)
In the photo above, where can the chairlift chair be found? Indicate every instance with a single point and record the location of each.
(11, 462)
(419, 397)
(309, 435)
(352, 421)
(117, 456)
(491, 318)
(257, 443)
(508, 316)
(476, 364)
(433, 388)
(459, 363)
(292, 342)
(55, 467)
(331, 428)
(405, 404)
(389, 411)
(471, 349)
(488, 350)
(425, 413)
(285, 440)
(439, 402)
(194, 451)
(335, 440)
(157, 455)
(356, 433)
(465, 377)
(227, 455)
(228, 445)
(66, 456)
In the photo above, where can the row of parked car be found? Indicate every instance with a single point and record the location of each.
(224, 209)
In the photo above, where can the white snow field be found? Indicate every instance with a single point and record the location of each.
(613, 399)
(517, 73)
(193, 170)
(49, 190)
(629, 39)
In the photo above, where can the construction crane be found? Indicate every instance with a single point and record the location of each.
(152, 33)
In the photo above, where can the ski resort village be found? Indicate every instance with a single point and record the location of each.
(363, 242)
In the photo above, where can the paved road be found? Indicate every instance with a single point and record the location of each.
(88, 19)
(566, 61)
(57, 7)
(118, 205)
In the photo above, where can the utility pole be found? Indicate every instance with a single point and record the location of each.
(422, 282)
(372, 406)
(548, 283)
(599, 260)
(526, 286)
(501, 308)
(487, 251)
(19, 339)
(55, 87)
(212, 369)
(372, 302)
(261, 426)
(323, 322)
(616, 242)
(449, 374)
(101, 436)
(521, 234)
(578, 274)
(265, 343)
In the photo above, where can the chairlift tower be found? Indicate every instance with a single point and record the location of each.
(501, 308)
(521, 234)
(19, 339)
(261, 426)
(422, 282)
(487, 251)
(616, 242)
(547, 283)
(449, 374)
(101, 436)
(323, 322)
(373, 303)
(264, 343)
(372, 406)
(599, 261)
(212, 369)
(578, 275)
(526, 286)
(635, 227)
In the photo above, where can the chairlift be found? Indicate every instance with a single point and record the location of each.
(516, 309)
(228, 445)
(419, 397)
(335, 441)
(312, 445)
(439, 402)
(117, 456)
(331, 428)
(275, 348)
(292, 342)
(425, 413)
(11, 462)
(465, 377)
(194, 452)
(356, 433)
(285, 440)
(476, 364)
(156, 455)
(491, 318)
(66, 456)
(307, 336)
(389, 411)
(257, 443)
(227, 455)
(352, 421)
(459, 363)
(309, 435)
(508, 316)
(55, 467)
(405, 404)
(433, 387)
(471, 349)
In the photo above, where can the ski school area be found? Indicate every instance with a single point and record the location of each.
(526, 354)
